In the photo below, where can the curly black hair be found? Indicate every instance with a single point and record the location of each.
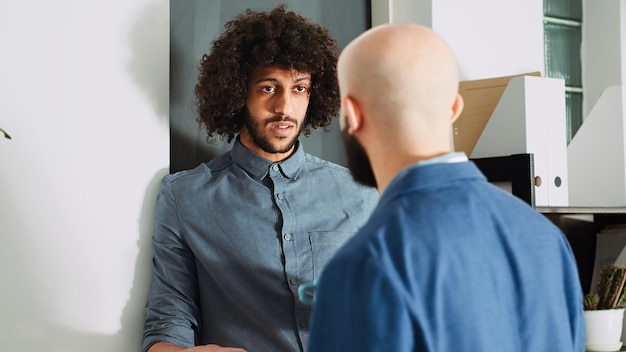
(278, 38)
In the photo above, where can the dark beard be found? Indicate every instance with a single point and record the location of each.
(255, 127)
(358, 161)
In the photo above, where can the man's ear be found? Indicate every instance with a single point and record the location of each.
(457, 108)
(353, 114)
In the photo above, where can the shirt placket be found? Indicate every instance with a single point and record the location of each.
(289, 242)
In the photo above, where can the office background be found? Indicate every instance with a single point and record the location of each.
(85, 95)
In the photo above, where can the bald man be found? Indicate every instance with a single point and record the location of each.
(447, 261)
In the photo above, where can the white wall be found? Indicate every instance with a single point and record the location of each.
(491, 38)
(84, 88)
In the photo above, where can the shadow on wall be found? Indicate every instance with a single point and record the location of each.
(149, 64)
(27, 323)
(129, 337)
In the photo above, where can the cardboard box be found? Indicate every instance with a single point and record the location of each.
(480, 98)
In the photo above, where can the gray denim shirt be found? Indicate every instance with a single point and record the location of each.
(233, 240)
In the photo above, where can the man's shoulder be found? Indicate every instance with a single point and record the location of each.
(315, 163)
(331, 172)
(202, 171)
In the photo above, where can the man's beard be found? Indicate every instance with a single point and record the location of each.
(256, 128)
(358, 161)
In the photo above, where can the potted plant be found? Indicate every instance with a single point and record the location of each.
(6, 135)
(604, 310)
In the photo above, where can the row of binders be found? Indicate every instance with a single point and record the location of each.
(527, 114)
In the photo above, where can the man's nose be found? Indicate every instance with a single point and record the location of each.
(283, 104)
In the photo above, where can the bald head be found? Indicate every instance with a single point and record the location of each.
(405, 78)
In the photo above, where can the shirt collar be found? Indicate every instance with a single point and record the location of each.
(259, 166)
(454, 157)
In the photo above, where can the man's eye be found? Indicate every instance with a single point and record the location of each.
(269, 89)
(301, 89)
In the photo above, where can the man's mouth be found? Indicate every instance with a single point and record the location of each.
(281, 128)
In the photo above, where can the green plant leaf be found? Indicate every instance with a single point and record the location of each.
(6, 135)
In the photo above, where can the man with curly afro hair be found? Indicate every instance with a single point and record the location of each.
(235, 237)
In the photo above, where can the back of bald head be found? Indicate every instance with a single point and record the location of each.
(400, 73)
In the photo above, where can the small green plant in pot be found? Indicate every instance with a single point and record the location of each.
(604, 310)
(610, 292)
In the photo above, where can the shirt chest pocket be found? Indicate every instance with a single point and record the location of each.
(324, 244)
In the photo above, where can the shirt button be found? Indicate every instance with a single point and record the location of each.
(279, 195)
(275, 167)
(293, 281)
(303, 323)
(287, 237)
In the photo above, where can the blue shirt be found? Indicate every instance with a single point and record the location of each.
(233, 240)
(450, 263)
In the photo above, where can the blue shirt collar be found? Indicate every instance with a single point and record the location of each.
(258, 166)
(453, 157)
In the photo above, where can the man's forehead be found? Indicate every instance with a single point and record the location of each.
(279, 74)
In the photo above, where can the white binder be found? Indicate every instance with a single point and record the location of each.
(596, 157)
(530, 118)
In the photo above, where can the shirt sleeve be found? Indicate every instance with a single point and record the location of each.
(171, 309)
(358, 308)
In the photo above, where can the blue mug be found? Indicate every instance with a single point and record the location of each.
(306, 292)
